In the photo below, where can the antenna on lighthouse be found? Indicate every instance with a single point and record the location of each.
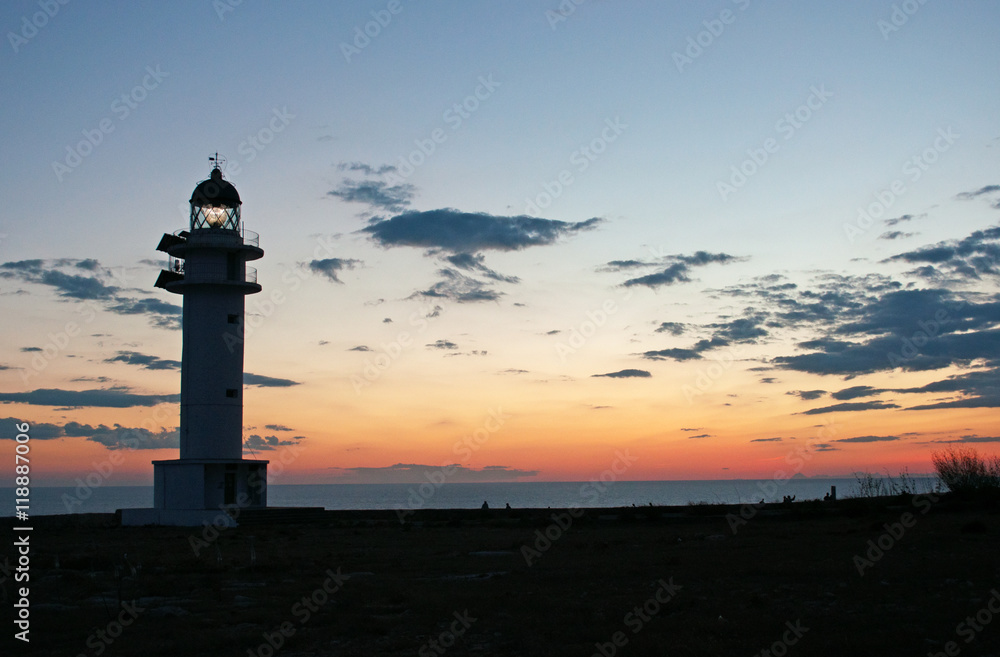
(218, 162)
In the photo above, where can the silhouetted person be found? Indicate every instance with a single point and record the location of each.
(507, 507)
(485, 506)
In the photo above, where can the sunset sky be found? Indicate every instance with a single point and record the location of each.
(727, 238)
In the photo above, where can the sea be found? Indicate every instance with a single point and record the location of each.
(534, 494)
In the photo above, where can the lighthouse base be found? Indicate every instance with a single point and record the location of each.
(191, 492)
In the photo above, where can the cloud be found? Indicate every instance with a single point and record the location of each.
(899, 220)
(971, 439)
(37, 431)
(807, 395)
(824, 447)
(143, 360)
(672, 354)
(850, 406)
(159, 313)
(442, 344)
(120, 437)
(118, 397)
(330, 267)
(467, 232)
(673, 328)
(855, 392)
(377, 194)
(701, 435)
(968, 196)
(262, 381)
(766, 440)
(677, 270)
(625, 374)
(915, 330)
(475, 263)
(91, 287)
(366, 169)
(277, 427)
(360, 347)
(459, 288)
(895, 235)
(116, 437)
(267, 443)
(868, 439)
(971, 257)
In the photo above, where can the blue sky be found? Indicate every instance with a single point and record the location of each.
(609, 110)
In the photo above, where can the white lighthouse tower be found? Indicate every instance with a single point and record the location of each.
(208, 266)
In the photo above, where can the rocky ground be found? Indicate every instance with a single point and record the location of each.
(900, 576)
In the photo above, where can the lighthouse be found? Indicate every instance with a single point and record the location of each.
(207, 266)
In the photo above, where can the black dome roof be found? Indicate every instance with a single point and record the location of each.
(215, 192)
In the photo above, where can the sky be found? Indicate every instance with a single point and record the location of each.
(531, 241)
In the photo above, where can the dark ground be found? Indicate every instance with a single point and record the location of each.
(407, 586)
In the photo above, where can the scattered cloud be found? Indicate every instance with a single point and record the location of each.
(850, 406)
(767, 440)
(331, 267)
(117, 397)
(143, 360)
(868, 439)
(262, 381)
(377, 194)
(442, 344)
(672, 268)
(807, 395)
(266, 443)
(468, 232)
(625, 374)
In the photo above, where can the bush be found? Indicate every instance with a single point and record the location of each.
(871, 485)
(965, 471)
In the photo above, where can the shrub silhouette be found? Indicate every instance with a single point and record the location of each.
(965, 471)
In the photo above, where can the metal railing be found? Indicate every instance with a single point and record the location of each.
(211, 273)
(248, 237)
